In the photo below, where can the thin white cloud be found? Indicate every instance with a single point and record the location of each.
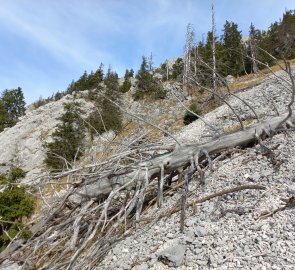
(76, 35)
(55, 33)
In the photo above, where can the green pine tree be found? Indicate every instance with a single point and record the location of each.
(67, 138)
(286, 33)
(14, 103)
(15, 203)
(111, 81)
(107, 116)
(232, 44)
(127, 81)
(147, 84)
(4, 117)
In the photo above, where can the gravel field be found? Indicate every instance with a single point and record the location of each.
(230, 231)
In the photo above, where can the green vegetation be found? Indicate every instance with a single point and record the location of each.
(232, 48)
(127, 81)
(107, 116)
(67, 144)
(87, 81)
(147, 85)
(67, 138)
(4, 116)
(12, 106)
(177, 69)
(16, 173)
(111, 81)
(233, 55)
(15, 203)
(190, 117)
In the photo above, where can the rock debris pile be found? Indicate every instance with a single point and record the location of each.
(229, 232)
(242, 230)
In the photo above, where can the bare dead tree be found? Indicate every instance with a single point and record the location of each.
(253, 51)
(189, 41)
(213, 49)
(167, 70)
(196, 57)
(150, 62)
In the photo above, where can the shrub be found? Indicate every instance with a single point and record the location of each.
(16, 173)
(147, 84)
(138, 95)
(159, 93)
(189, 117)
(109, 118)
(127, 81)
(40, 102)
(177, 69)
(14, 103)
(15, 203)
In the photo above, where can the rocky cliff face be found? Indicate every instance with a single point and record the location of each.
(22, 144)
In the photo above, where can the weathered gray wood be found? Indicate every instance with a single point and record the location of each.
(182, 155)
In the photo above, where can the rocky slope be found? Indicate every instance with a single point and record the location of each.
(22, 145)
(232, 231)
(228, 232)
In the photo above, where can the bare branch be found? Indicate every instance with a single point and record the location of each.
(221, 98)
(215, 129)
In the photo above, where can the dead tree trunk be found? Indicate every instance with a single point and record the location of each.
(214, 77)
(189, 40)
(182, 156)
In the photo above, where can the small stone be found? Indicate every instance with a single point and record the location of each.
(265, 227)
(200, 231)
(190, 233)
(202, 262)
(7, 265)
(198, 250)
(125, 266)
(291, 189)
(188, 239)
(201, 256)
(122, 264)
(170, 235)
(152, 261)
(114, 258)
(256, 176)
(258, 226)
(190, 222)
(246, 175)
(117, 250)
(173, 256)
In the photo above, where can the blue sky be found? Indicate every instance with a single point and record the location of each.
(47, 43)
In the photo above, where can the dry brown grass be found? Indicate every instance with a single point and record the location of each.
(251, 80)
(237, 126)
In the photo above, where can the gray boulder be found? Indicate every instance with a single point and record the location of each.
(173, 256)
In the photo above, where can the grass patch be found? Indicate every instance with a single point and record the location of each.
(237, 126)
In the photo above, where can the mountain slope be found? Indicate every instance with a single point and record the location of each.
(221, 233)
(22, 144)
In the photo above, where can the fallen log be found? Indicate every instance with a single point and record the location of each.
(185, 155)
